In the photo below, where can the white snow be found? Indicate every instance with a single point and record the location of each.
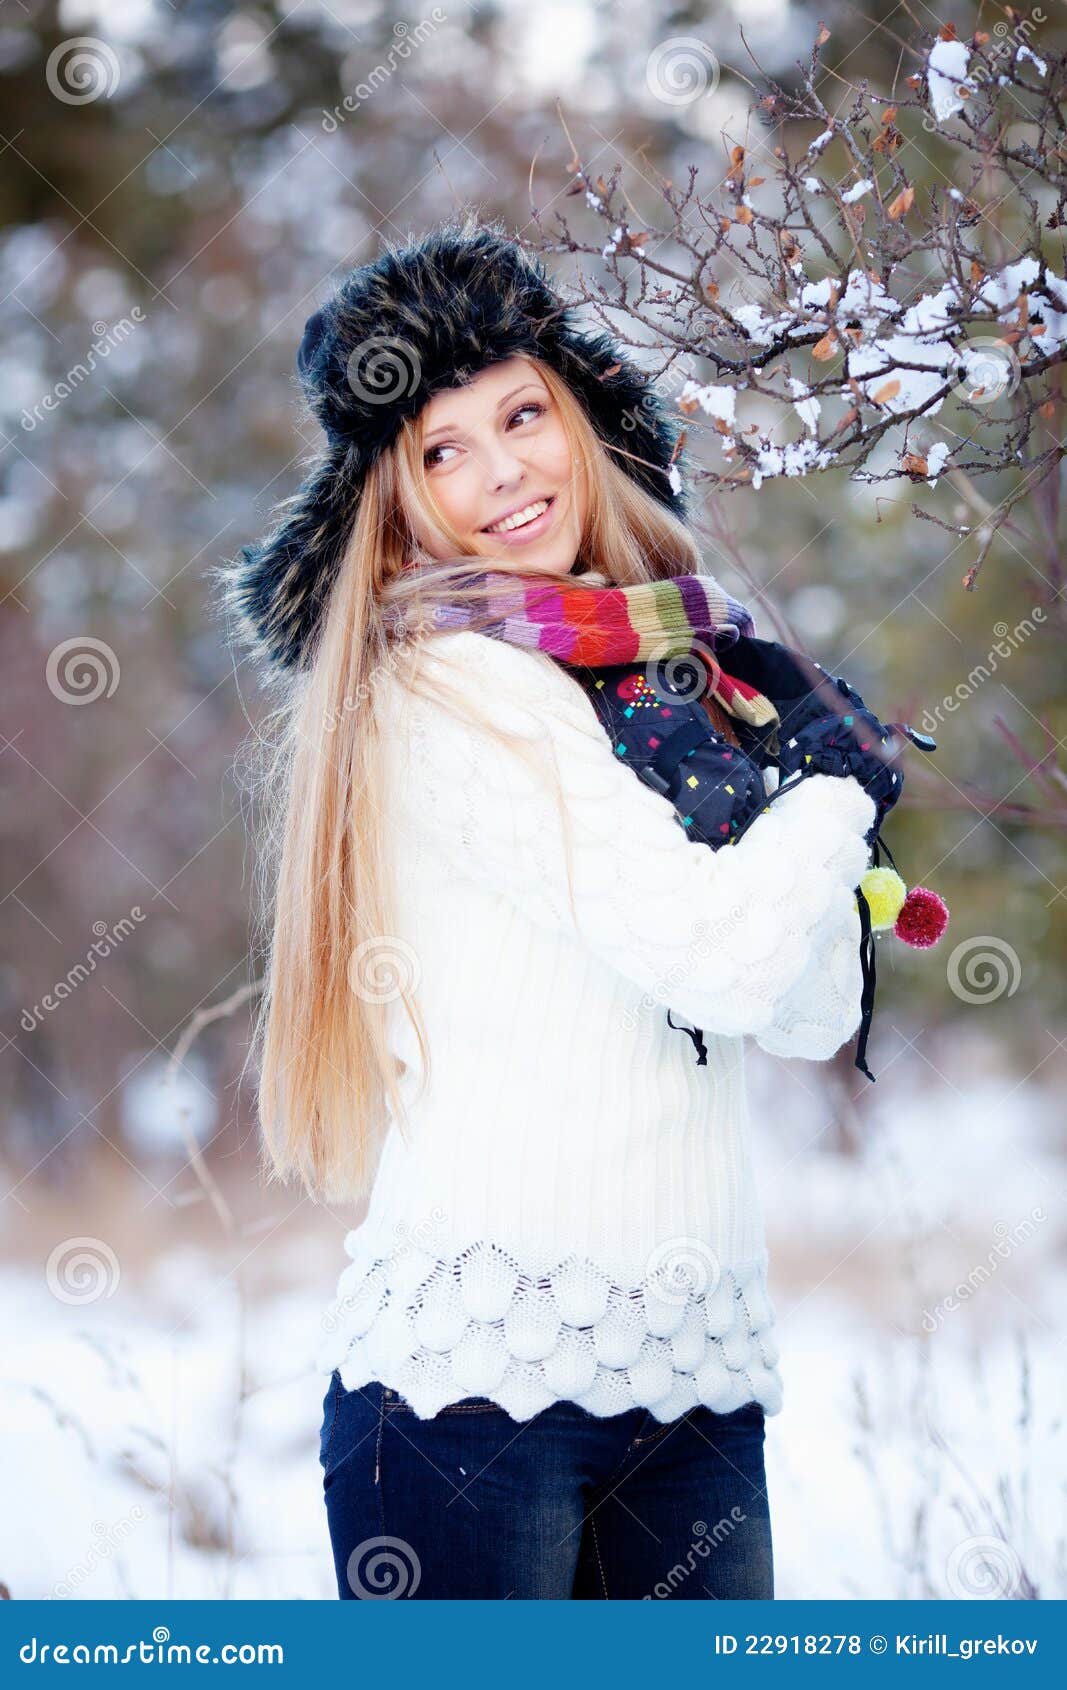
(613, 244)
(919, 340)
(137, 1470)
(1025, 53)
(857, 193)
(1047, 294)
(946, 69)
(755, 322)
(907, 359)
(805, 404)
(1002, 290)
(815, 295)
(935, 460)
(718, 402)
(866, 301)
(1055, 321)
(798, 457)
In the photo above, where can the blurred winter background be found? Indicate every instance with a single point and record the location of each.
(178, 188)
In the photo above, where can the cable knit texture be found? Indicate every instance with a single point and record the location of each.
(570, 1213)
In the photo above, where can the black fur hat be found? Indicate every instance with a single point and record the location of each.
(421, 318)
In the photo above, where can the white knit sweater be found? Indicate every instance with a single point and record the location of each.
(572, 1214)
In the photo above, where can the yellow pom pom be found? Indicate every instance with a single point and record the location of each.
(885, 892)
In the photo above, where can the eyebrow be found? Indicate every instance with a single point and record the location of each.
(447, 428)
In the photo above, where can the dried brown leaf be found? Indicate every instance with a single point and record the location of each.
(900, 206)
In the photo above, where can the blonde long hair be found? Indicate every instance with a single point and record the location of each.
(328, 1080)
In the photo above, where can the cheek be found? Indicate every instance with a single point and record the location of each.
(554, 456)
(456, 497)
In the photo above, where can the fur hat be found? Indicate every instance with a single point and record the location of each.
(421, 318)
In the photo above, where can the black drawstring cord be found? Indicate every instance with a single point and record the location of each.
(697, 1036)
(867, 954)
(867, 994)
(879, 841)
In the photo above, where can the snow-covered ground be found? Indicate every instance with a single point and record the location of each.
(918, 1283)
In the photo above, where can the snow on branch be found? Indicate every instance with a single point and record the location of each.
(877, 289)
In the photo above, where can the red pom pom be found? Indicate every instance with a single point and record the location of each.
(923, 918)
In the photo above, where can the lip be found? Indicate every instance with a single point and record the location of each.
(531, 530)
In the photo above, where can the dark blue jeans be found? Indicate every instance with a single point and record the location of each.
(472, 1504)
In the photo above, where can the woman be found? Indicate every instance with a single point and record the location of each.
(551, 1353)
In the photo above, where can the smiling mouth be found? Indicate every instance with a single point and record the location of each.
(522, 519)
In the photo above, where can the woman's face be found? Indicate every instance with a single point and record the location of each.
(496, 453)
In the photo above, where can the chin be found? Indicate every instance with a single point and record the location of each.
(548, 567)
(517, 560)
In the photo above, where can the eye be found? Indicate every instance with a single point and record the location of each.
(431, 458)
(531, 405)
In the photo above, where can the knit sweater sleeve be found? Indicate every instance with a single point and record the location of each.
(736, 940)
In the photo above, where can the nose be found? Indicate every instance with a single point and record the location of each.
(502, 469)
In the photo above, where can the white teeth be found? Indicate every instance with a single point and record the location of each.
(520, 518)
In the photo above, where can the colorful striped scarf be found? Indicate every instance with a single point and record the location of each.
(603, 625)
